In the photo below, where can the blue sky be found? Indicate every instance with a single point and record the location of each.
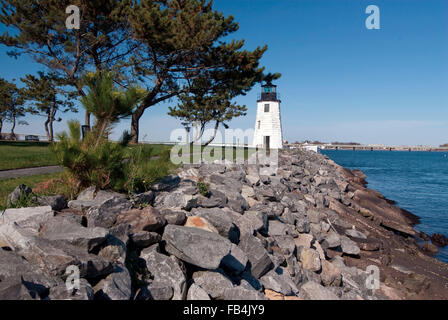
(340, 81)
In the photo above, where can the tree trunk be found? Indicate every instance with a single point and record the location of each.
(214, 134)
(135, 125)
(46, 128)
(1, 126)
(103, 127)
(87, 119)
(13, 135)
(198, 134)
(51, 116)
(51, 130)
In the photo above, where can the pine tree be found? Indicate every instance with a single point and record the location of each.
(183, 41)
(38, 28)
(107, 103)
(47, 96)
(12, 106)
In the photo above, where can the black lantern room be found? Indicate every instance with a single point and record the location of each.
(269, 93)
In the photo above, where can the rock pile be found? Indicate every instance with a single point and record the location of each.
(307, 232)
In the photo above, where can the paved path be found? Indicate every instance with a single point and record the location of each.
(17, 173)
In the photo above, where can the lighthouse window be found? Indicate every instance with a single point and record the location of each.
(266, 107)
(259, 124)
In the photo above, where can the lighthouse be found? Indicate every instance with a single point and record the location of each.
(268, 126)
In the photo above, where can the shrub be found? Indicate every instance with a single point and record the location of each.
(203, 187)
(94, 160)
(90, 163)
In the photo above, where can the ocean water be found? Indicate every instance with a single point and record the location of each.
(416, 181)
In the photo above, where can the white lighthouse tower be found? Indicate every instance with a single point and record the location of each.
(268, 126)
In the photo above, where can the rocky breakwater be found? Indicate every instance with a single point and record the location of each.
(310, 231)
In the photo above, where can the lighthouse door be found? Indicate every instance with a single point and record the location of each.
(267, 142)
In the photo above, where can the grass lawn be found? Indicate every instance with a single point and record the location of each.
(21, 154)
(156, 149)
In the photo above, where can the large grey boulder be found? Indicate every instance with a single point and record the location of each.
(103, 195)
(349, 246)
(236, 261)
(146, 219)
(277, 228)
(175, 200)
(214, 283)
(154, 292)
(280, 281)
(89, 198)
(331, 274)
(144, 239)
(57, 202)
(113, 250)
(105, 214)
(60, 292)
(214, 199)
(355, 234)
(310, 259)
(116, 286)
(255, 220)
(195, 292)
(286, 244)
(68, 230)
(221, 221)
(241, 293)
(315, 216)
(248, 281)
(166, 272)
(303, 225)
(53, 256)
(276, 209)
(167, 183)
(31, 218)
(237, 203)
(18, 271)
(260, 263)
(173, 216)
(253, 179)
(196, 246)
(81, 205)
(313, 291)
(331, 240)
(87, 194)
(145, 198)
(11, 289)
(247, 192)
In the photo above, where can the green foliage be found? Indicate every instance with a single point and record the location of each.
(11, 104)
(37, 28)
(183, 43)
(90, 164)
(144, 168)
(107, 103)
(110, 165)
(163, 44)
(46, 96)
(203, 187)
